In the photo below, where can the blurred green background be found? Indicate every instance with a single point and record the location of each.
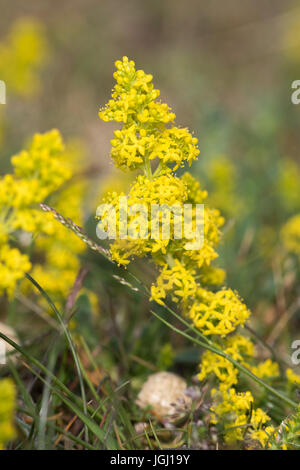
(220, 66)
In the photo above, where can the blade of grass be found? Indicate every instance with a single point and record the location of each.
(69, 339)
(60, 430)
(46, 395)
(44, 369)
(91, 425)
(155, 435)
(26, 396)
(148, 439)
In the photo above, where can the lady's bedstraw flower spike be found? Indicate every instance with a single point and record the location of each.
(149, 141)
(145, 133)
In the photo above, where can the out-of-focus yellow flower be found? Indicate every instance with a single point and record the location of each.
(7, 408)
(223, 195)
(41, 166)
(266, 369)
(290, 235)
(291, 37)
(40, 172)
(239, 418)
(263, 435)
(293, 378)
(60, 248)
(212, 276)
(13, 266)
(21, 56)
(288, 184)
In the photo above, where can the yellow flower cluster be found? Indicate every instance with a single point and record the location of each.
(242, 350)
(7, 407)
(184, 274)
(144, 135)
(236, 411)
(22, 55)
(41, 166)
(212, 276)
(239, 348)
(13, 265)
(58, 248)
(293, 378)
(43, 171)
(266, 369)
(37, 172)
(160, 190)
(213, 221)
(176, 281)
(133, 97)
(232, 408)
(218, 313)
